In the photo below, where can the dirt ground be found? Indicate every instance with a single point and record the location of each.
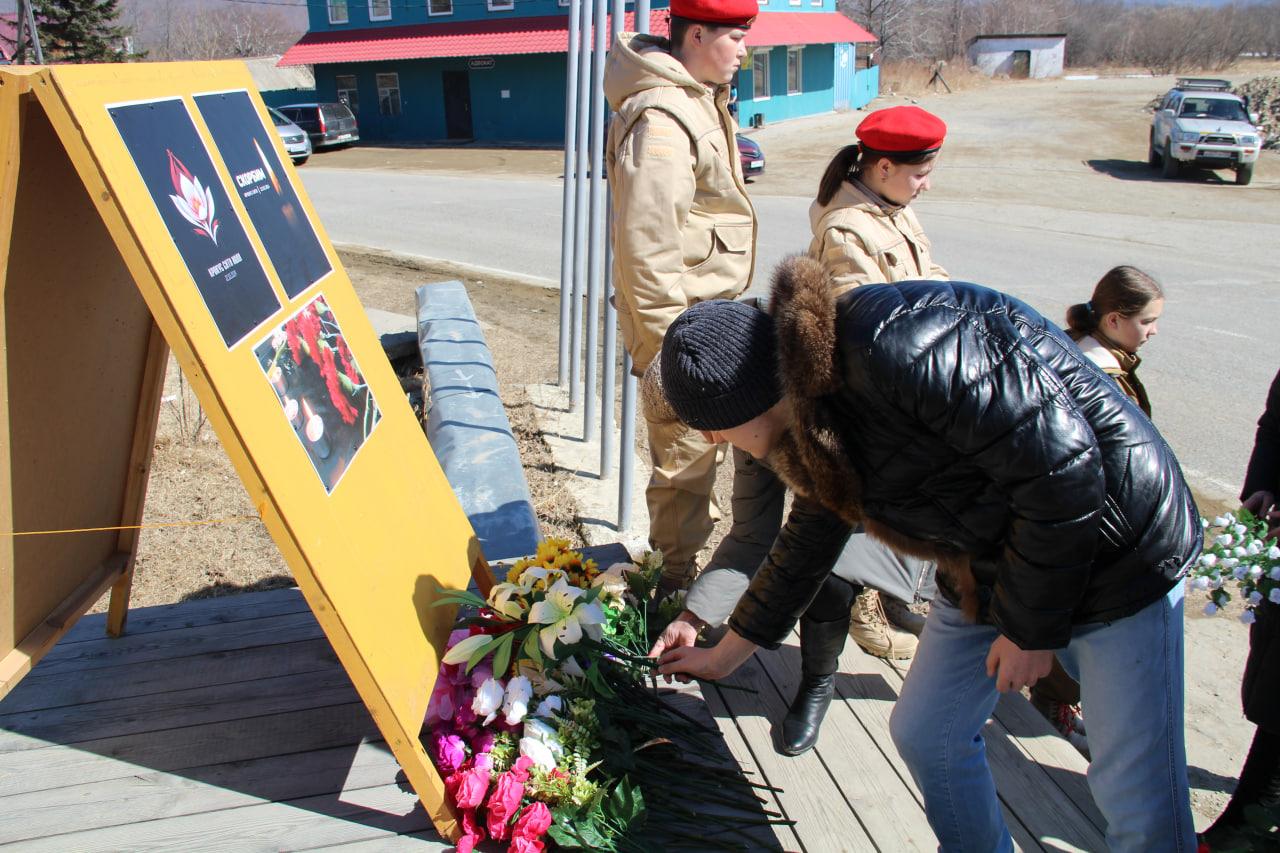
(1096, 131)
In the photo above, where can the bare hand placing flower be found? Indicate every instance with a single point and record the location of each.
(1263, 505)
(709, 664)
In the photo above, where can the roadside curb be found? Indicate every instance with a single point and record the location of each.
(463, 269)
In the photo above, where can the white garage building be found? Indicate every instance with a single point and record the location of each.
(1019, 54)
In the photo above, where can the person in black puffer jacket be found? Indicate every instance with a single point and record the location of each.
(957, 424)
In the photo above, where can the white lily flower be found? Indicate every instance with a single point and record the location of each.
(1239, 530)
(1273, 553)
(1210, 609)
(1208, 560)
(614, 584)
(1221, 521)
(1224, 540)
(1247, 617)
(536, 577)
(507, 599)
(488, 700)
(462, 652)
(565, 618)
(516, 704)
(542, 683)
(550, 707)
(1255, 572)
(1255, 548)
(1240, 552)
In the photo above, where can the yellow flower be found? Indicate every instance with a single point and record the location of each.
(513, 574)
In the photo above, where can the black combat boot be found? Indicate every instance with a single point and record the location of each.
(820, 647)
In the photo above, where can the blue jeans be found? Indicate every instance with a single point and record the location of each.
(1131, 680)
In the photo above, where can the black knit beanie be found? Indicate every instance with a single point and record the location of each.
(719, 365)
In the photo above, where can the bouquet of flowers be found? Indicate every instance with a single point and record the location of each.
(1237, 553)
(544, 729)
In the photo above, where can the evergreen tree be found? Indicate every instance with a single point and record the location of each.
(81, 31)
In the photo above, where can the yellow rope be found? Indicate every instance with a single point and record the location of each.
(131, 526)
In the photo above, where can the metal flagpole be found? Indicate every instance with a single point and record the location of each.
(627, 467)
(580, 217)
(595, 256)
(567, 211)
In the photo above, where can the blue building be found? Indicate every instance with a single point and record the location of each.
(484, 70)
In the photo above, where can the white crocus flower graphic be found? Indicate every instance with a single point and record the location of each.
(193, 201)
(565, 618)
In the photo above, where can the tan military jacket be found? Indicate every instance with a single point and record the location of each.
(859, 238)
(684, 230)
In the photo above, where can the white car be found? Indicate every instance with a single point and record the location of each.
(1201, 122)
(295, 139)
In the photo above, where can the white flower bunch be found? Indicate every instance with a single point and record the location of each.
(1237, 553)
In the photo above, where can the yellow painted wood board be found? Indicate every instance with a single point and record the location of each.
(207, 226)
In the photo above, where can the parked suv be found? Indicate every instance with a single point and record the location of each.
(326, 124)
(1200, 121)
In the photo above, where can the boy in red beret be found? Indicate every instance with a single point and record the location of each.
(684, 230)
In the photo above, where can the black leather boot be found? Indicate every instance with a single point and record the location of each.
(820, 647)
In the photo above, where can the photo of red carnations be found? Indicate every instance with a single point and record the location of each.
(321, 390)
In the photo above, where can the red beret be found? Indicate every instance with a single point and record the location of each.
(729, 13)
(902, 130)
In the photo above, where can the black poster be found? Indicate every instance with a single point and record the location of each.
(269, 197)
(179, 174)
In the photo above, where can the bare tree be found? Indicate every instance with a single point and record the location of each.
(881, 17)
(177, 31)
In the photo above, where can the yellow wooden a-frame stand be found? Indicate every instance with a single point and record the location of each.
(101, 272)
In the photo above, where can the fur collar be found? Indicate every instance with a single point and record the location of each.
(812, 456)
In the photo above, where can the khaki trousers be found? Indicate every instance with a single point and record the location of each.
(681, 493)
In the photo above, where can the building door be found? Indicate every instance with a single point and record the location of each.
(1021, 64)
(457, 105)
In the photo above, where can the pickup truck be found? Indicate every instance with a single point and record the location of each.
(1201, 122)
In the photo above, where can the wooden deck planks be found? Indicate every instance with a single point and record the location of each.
(824, 821)
(860, 770)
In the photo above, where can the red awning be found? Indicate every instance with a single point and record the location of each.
(540, 34)
(777, 28)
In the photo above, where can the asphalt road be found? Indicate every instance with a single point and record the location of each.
(1207, 371)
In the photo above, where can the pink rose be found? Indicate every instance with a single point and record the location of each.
(451, 752)
(521, 768)
(472, 832)
(503, 804)
(533, 823)
(521, 844)
(471, 787)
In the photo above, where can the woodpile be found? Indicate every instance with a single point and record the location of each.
(1262, 94)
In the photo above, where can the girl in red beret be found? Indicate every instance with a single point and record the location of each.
(864, 231)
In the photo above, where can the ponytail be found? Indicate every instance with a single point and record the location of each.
(837, 173)
(1081, 319)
